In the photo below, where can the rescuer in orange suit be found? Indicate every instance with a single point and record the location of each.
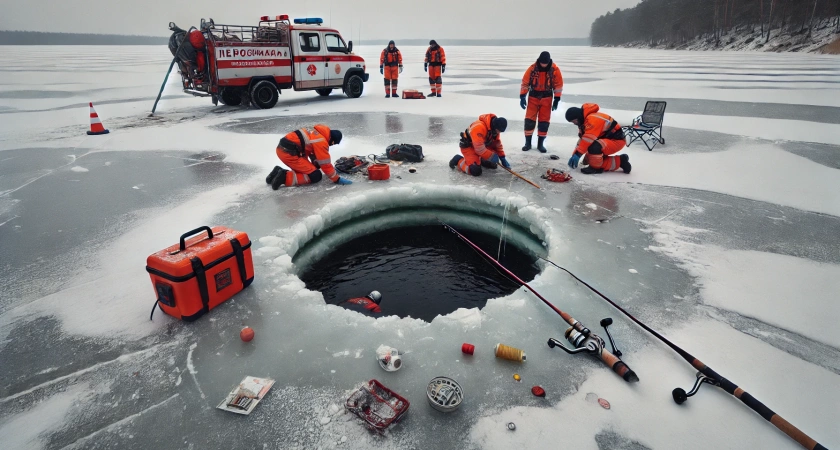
(307, 153)
(600, 138)
(541, 82)
(435, 64)
(390, 65)
(481, 146)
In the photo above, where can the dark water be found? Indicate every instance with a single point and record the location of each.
(421, 271)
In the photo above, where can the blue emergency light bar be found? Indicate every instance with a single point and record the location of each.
(309, 21)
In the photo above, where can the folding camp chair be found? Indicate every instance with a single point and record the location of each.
(648, 126)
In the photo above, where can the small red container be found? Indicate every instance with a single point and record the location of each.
(379, 172)
(468, 348)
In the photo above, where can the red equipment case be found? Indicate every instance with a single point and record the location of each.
(412, 93)
(379, 172)
(196, 275)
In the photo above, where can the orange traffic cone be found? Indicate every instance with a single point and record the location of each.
(95, 124)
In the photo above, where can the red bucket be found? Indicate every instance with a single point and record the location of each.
(379, 172)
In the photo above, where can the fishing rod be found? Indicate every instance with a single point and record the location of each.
(578, 335)
(706, 375)
(520, 177)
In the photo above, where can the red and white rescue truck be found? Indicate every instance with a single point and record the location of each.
(239, 64)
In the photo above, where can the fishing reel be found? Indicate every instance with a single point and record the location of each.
(679, 394)
(584, 340)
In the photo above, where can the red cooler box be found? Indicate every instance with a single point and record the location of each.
(198, 274)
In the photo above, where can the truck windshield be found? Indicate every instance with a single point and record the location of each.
(335, 43)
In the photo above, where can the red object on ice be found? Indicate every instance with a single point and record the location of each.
(377, 405)
(247, 334)
(468, 348)
(379, 172)
(605, 404)
(538, 391)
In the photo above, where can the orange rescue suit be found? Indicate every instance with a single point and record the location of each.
(600, 137)
(313, 154)
(392, 59)
(435, 58)
(541, 86)
(486, 143)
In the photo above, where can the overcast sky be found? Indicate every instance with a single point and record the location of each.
(394, 19)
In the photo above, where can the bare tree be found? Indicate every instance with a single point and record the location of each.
(770, 20)
(811, 24)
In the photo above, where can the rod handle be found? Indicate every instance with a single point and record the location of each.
(618, 366)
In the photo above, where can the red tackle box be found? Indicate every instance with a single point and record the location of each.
(196, 275)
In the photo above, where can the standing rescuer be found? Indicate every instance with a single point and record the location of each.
(390, 65)
(481, 146)
(541, 82)
(600, 137)
(435, 64)
(307, 153)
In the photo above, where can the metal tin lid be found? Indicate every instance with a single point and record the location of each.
(444, 394)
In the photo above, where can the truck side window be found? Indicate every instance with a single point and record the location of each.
(335, 43)
(310, 42)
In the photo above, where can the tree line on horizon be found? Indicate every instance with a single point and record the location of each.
(678, 21)
(52, 38)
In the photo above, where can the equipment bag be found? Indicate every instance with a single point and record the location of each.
(405, 152)
(350, 164)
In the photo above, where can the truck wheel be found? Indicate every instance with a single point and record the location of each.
(323, 92)
(231, 97)
(354, 86)
(264, 94)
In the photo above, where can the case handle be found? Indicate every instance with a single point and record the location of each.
(190, 233)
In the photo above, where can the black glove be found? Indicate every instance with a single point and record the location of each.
(425, 67)
(443, 68)
(465, 142)
(381, 69)
(556, 102)
(522, 101)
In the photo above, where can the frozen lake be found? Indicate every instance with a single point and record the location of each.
(726, 240)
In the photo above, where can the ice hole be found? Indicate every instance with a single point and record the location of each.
(421, 269)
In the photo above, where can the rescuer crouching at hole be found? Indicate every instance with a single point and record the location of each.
(481, 146)
(307, 153)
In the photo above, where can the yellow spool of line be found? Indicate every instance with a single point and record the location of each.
(509, 353)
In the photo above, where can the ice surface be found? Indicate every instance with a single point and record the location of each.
(725, 239)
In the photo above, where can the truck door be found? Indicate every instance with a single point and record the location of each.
(338, 59)
(309, 60)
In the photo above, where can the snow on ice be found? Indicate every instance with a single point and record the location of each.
(724, 239)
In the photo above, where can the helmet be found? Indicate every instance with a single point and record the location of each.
(375, 296)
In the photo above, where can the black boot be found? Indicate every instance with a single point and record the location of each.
(540, 140)
(455, 160)
(489, 164)
(591, 170)
(271, 175)
(527, 145)
(432, 94)
(279, 179)
(625, 163)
